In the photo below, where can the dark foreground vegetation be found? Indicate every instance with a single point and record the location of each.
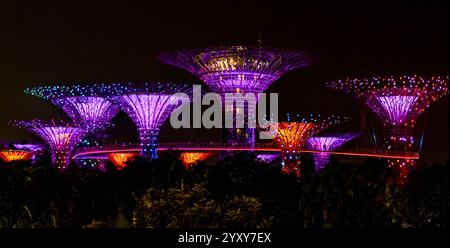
(237, 191)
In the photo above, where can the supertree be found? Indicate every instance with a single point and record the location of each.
(238, 69)
(35, 149)
(327, 143)
(86, 105)
(189, 159)
(61, 138)
(398, 101)
(293, 134)
(149, 105)
(29, 147)
(119, 159)
(267, 157)
(15, 155)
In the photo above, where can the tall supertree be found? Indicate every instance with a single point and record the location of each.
(149, 105)
(398, 101)
(238, 69)
(327, 143)
(86, 105)
(293, 134)
(61, 138)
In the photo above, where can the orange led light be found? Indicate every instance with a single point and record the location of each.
(120, 159)
(191, 158)
(15, 155)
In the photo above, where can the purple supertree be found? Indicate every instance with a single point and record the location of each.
(86, 105)
(327, 143)
(61, 138)
(29, 147)
(33, 148)
(238, 69)
(398, 101)
(149, 105)
(267, 157)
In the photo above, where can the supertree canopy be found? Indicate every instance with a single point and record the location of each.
(327, 143)
(86, 105)
(149, 105)
(29, 147)
(267, 157)
(293, 134)
(189, 159)
(238, 69)
(119, 159)
(61, 138)
(35, 149)
(398, 101)
(15, 155)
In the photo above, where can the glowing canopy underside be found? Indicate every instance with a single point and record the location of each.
(148, 111)
(92, 112)
(61, 138)
(87, 105)
(15, 155)
(329, 143)
(251, 69)
(191, 158)
(119, 159)
(398, 101)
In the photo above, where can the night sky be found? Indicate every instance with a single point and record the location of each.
(66, 42)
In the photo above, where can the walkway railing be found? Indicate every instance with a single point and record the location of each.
(94, 151)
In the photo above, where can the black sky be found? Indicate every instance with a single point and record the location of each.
(51, 42)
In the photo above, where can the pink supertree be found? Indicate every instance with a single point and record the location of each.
(61, 138)
(398, 101)
(149, 105)
(238, 69)
(327, 143)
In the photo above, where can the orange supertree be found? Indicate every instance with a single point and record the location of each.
(15, 155)
(189, 159)
(293, 134)
(119, 159)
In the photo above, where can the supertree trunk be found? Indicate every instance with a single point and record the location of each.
(60, 159)
(149, 143)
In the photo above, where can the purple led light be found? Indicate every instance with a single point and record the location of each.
(252, 69)
(33, 148)
(93, 112)
(327, 143)
(149, 111)
(267, 157)
(60, 137)
(87, 105)
(29, 147)
(397, 107)
(149, 106)
(238, 69)
(398, 101)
